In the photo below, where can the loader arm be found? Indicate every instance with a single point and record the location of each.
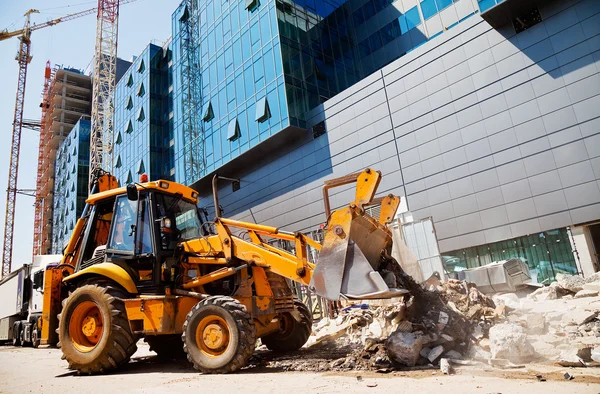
(349, 258)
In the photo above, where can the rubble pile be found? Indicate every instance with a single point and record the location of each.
(561, 326)
(452, 323)
(439, 321)
(569, 286)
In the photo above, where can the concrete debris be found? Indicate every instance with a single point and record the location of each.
(453, 355)
(448, 322)
(586, 293)
(435, 353)
(568, 376)
(509, 300)
(579, 317)
(445, 366)
(544, 293)
(509, 341)
(573, 283)
(536, 323)
(595, 354)
(404, 348)
(569, 358)
(503, 363)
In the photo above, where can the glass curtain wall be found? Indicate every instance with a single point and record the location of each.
(547, 254)
(142, 118)
(243, 91)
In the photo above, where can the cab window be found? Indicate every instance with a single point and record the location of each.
(124, 223)
(183, 219)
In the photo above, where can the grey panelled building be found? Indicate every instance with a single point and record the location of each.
(494, 134)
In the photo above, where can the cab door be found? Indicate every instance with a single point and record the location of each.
(130, 241)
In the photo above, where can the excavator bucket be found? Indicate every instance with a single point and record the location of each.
(350, 260)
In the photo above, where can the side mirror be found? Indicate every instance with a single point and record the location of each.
(132, 193)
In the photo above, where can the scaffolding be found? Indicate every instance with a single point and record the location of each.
(67, 100)
(44, 129)
(191, 84)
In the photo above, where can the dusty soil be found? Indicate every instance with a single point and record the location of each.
(41, 370)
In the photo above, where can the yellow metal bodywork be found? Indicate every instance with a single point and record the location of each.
(51, 304)
(158, 314)
(108, 270)
(171, 188)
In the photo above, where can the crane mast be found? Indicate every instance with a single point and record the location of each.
(103, 84)
(23, 58)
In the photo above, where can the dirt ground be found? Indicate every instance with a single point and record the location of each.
(25, 370)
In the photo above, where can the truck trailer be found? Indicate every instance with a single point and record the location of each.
(21, 295)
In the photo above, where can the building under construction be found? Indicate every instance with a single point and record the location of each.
(67, 99)
(71, 179)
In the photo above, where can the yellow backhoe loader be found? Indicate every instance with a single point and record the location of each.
(144, 261)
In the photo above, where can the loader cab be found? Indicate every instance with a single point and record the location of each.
(145, 231)
(139, 230)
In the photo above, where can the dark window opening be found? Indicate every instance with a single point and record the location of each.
(527, 20)
(319, 129)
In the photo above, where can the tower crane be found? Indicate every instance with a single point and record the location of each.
(106, 10)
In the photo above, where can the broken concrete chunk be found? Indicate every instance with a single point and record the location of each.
(404, 348)
(509, 299)
(569, 358)
(595, 354)
(445, 366)
(573, 283)
(435, 353)
(425, 352)
(592, 286)
(509, 341)
(544, 293)
(443, 318)
(477, 353)
(579, 317)
(536, 323)
(586, 293)
(447, 338)
(453, 355)
(376, 329)
(429, 338)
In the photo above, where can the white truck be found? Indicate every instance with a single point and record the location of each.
(21, 300)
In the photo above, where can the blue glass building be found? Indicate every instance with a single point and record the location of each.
(70, 183)
(482, 114)
(143, 117)
(263, 65)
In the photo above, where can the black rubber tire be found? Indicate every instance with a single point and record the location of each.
(16, 339)
(242, 335)
(167, 347)
(35, 339)
(117, 343)
(291, 338)
(23, 339)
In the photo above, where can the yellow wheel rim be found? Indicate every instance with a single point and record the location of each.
(212, 336)
(85, 326)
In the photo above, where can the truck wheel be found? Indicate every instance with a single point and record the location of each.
(94, 331)
(23, 339)
(219, 335)
(167, 347)
(16, 338)
(16, 335)
(293, 333)
(35, 338)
